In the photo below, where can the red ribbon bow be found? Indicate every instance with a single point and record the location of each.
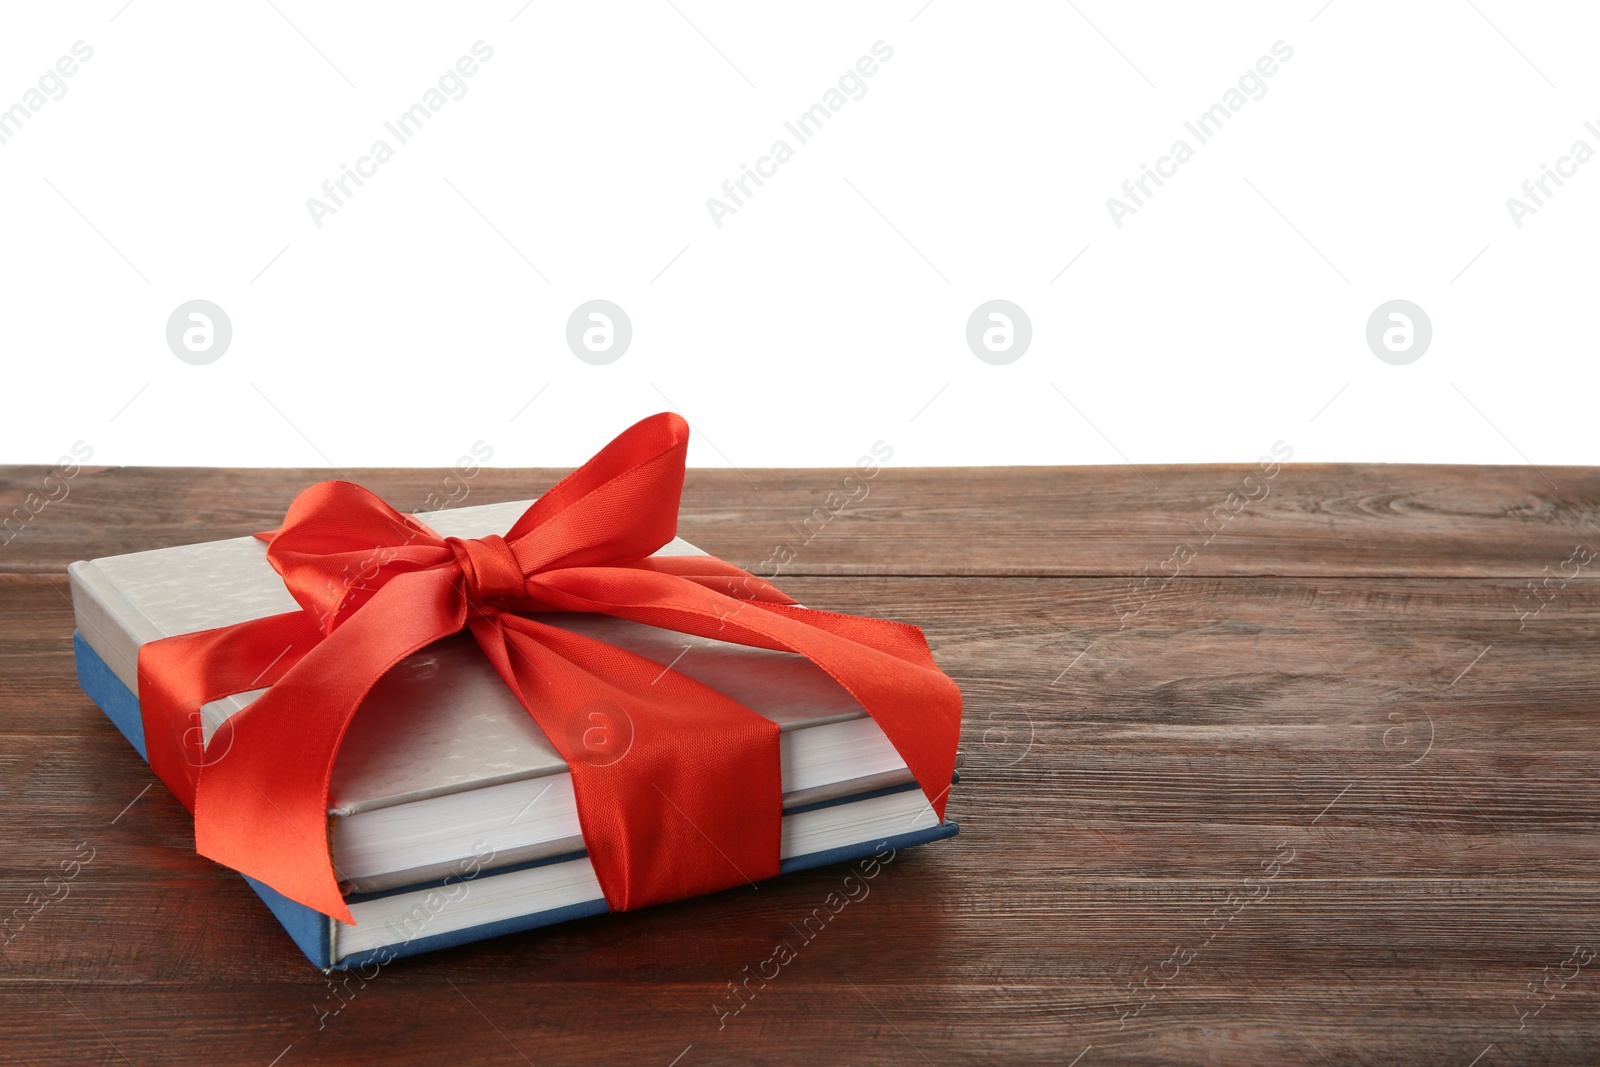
(696, 803)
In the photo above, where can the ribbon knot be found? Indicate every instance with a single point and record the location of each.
(491, 575)
(690, 802)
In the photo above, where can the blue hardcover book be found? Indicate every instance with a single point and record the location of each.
(452, 818)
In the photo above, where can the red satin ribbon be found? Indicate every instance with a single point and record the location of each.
(694, 804)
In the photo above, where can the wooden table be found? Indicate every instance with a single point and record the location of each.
(1317, 787)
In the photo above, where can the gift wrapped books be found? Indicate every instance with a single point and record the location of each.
(412, 732)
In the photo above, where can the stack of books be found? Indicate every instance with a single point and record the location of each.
(451, 816)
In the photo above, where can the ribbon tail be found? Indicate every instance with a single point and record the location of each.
(177, 675)
(262, 808)
(916, 704)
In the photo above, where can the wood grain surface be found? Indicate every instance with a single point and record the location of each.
(1310, 781)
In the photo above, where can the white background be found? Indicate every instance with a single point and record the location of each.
(830, 311)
